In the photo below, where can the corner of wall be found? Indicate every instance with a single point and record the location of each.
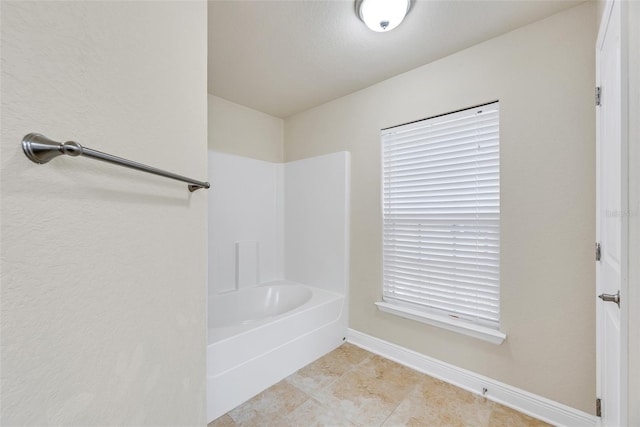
(243, 131)
(600, 8)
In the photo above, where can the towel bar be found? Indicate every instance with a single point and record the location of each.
(40, 149)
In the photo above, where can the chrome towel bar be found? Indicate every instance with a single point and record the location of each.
(40, 149)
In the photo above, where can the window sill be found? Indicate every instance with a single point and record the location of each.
(486, 334)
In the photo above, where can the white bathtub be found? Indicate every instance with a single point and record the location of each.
(258, 336)
(255, 304)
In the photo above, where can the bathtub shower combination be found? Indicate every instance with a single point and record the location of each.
(278, 271)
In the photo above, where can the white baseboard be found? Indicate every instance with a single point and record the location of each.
(528, 403)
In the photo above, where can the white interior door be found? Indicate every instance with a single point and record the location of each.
(611, 222)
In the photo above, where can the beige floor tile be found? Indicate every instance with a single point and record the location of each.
(350, 353)
(368, 394)
(392, 379)
(268, 407)
(223, 421)
(501, 416)
(328, 368)
(352, 387)
(435, 403)
(313, 414)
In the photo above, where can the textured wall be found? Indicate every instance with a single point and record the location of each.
(104, 268)
(543, 75)
(242, 131)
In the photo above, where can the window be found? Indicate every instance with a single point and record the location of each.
(441, 221)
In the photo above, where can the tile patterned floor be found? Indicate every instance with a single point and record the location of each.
(352, 387)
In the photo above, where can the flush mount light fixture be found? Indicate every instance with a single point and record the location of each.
(382, 15)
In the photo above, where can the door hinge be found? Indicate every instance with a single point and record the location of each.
(598, 95)
(598, 408)
(598, 252)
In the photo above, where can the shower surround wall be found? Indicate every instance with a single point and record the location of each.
(316, 250)
(245, 206)
(270, 222)
(289, 211)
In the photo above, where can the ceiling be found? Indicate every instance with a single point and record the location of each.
(283, 57)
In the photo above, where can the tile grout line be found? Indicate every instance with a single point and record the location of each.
(314, 396)
(300, 390)
(352, 368)
(399, 403)
(369, 358)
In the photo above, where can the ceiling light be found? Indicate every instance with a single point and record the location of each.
(382, 15)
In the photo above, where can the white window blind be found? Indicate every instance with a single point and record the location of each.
(441, 215)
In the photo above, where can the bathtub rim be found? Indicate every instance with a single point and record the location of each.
(287, 302)
(318, 297)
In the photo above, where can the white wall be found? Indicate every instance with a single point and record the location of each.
(239, 130)
(543, 75)
(104, 268)
(245, 204)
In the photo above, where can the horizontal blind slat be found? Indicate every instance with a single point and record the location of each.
(458, 301)
(444, 280)
(455, 270)
(438, 134)
(413, 240)
(489, 177)
(453, 310)
(429, 144)
(448, 120)
(417, 258)
(467, 171)
(457, 304)
(393, 171)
